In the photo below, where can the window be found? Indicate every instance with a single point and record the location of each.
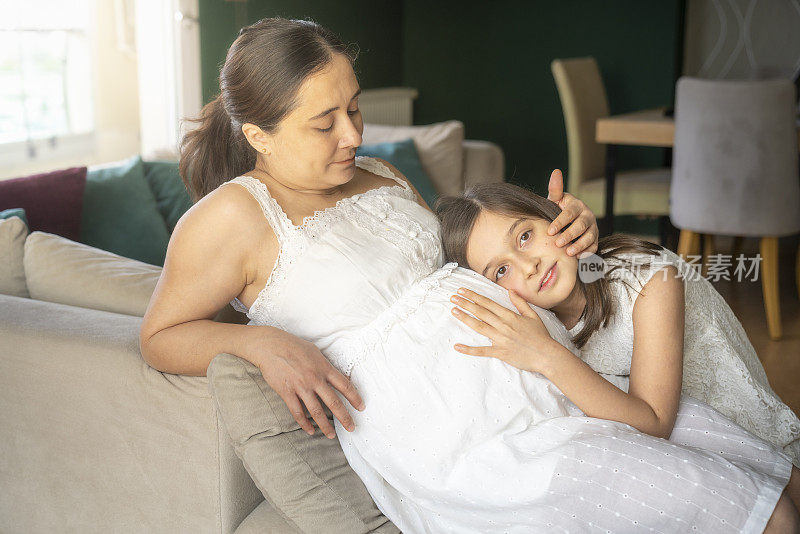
(45, 77)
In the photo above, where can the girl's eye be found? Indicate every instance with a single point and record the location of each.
(352, 111)
(524, 237)
(500, 272)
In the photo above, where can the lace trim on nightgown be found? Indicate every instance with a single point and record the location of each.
(293, 239)
(278, 224)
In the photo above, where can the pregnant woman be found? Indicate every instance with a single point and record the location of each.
(337, 259)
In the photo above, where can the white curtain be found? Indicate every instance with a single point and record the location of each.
(168, 59)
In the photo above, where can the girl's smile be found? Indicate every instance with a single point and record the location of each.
(549, 278)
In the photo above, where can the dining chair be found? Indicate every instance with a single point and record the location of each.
(583, 101)
(735, 170)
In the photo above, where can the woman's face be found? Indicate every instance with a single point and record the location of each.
(517, 254)
(314, 146)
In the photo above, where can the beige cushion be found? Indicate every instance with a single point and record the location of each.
(636, 192)
(94, 440)
(12, 249)
(439, 146)
(306, 479)
(265, 519)
(60, 270)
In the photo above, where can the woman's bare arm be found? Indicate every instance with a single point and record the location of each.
(206, 267)
(651, 404)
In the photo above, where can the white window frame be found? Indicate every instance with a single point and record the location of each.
(60, 146)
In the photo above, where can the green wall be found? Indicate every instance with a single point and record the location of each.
(486, 63)
(374, 25)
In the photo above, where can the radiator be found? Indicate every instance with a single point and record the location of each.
(393, 106)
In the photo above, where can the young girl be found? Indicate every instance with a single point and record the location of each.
(652, 336)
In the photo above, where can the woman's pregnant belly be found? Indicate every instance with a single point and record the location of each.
(429, 407)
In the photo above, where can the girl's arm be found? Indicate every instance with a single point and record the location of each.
(651, 403)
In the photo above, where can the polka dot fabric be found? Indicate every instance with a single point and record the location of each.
(456, 443)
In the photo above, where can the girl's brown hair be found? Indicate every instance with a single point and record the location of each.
(263, 71)
(459, 213)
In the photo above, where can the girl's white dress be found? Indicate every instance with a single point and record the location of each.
(720, 365)
(456, 443)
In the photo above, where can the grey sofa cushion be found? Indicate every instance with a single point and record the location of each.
(63, 271)
(265, 519)
(439, 147)
(94, 440)
(306, 479)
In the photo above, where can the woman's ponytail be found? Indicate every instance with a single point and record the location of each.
(213, 153)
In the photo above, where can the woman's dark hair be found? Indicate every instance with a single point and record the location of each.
(258, 84)
(459, 213)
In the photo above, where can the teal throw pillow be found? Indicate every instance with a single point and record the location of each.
(120, 213)
(404, 156)
(14, 212)
(165, 182)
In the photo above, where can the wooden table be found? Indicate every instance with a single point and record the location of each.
(649, 127)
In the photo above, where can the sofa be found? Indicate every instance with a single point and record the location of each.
(95, 440)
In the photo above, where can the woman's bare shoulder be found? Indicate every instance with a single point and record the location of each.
(228, 219)
(229, 208)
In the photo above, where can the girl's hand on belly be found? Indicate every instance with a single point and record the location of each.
(520, 339)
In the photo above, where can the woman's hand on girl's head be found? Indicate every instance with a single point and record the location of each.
(298, 371)
(520, 339)
(583, 225)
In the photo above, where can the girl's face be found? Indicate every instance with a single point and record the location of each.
(314, 146)
(517, 254)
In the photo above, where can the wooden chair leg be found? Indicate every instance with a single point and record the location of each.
(688, 244)
(769, 285)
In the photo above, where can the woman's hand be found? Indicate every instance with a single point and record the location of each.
(297, 370)
(519, 339)
(584, 224)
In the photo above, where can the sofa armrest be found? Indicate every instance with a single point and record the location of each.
(95, 440)
(483, 162)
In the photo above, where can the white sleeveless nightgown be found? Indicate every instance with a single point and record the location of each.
(720, 365)
(456, 443)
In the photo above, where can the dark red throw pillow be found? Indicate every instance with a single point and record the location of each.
(52, 201)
